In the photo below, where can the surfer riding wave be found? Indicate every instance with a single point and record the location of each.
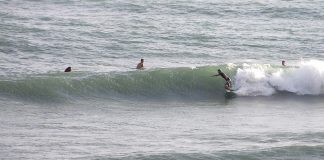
(228, 84)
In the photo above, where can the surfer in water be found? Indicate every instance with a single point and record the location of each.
(283, 63)
(68, 69)
(140, 65)
(228, 84)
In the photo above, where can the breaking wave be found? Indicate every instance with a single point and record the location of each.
(305, 79)
(248, 79)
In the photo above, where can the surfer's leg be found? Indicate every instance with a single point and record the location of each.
(227, 86)
(229, 83)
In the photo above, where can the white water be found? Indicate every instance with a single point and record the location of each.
(305, 79)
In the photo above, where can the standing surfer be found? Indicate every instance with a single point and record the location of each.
(228, 84)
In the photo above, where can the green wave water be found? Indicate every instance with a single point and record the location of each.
(157, 83)
(183, 83)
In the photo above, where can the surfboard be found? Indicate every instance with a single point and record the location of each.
(230, 94)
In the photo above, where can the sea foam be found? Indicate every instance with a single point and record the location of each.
(305, 79)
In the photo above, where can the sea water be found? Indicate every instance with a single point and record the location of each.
(174, 108)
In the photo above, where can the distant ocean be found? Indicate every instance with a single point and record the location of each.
(173, 109)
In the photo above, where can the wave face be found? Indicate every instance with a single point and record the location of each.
(188, 83)
(158, 83)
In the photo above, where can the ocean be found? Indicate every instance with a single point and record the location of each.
(174, 108)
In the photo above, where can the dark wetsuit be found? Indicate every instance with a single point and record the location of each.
(227, 79)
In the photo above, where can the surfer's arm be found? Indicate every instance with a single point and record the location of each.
(215, 75)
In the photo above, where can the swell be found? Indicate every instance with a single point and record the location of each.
(171, 83)
(157, 83)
